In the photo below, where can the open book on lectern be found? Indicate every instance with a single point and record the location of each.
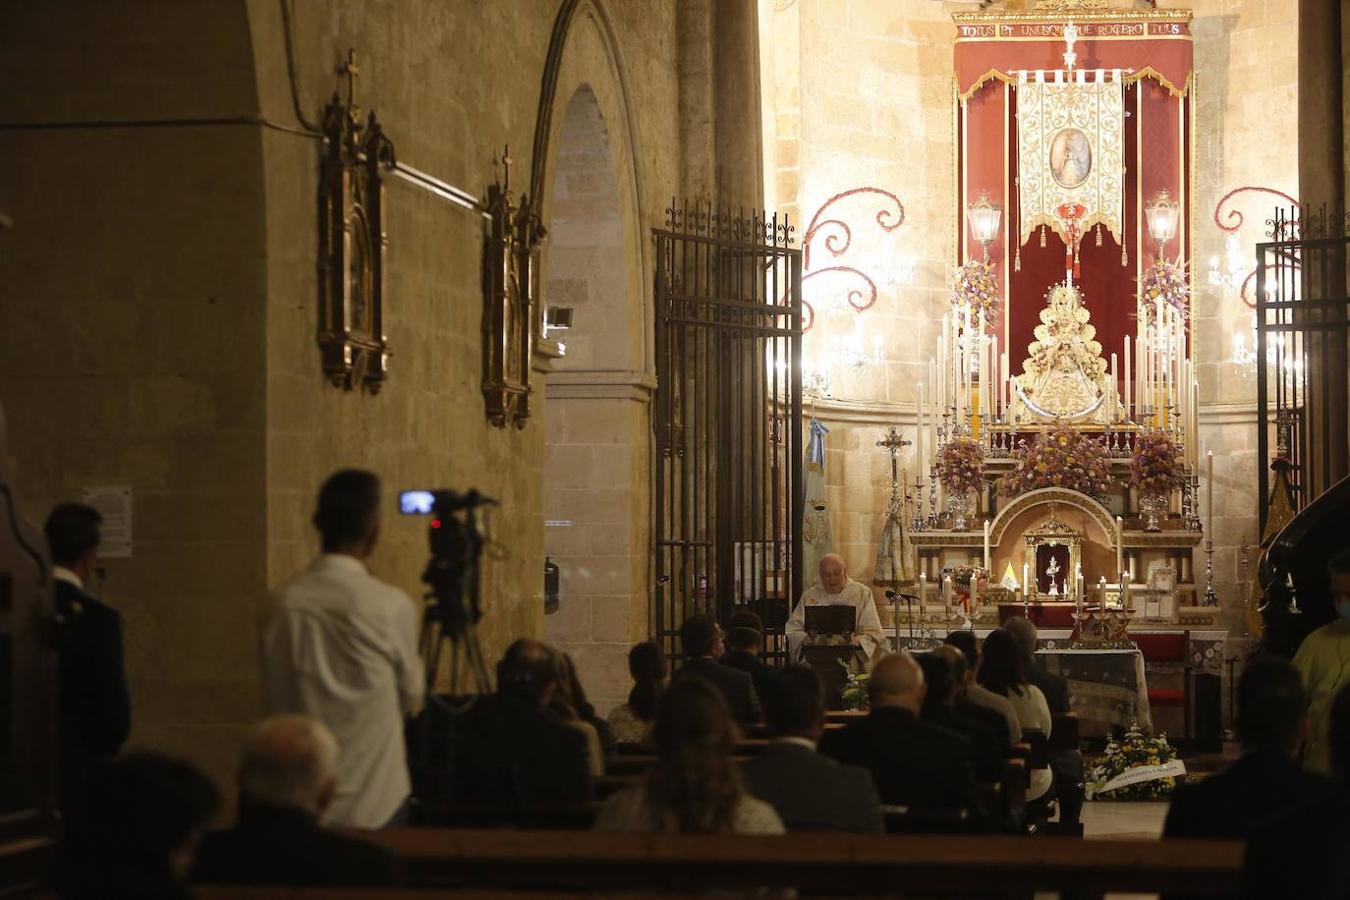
(840, 619)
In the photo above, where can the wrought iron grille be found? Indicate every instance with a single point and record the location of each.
(1301, 305)
(728, 420)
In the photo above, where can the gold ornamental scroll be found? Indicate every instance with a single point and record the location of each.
(1070, 150)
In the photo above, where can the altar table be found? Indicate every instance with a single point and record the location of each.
(1108, 687)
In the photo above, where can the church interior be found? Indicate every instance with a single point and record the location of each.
(1014, 308)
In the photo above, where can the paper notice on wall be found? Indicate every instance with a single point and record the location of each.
(114, 504)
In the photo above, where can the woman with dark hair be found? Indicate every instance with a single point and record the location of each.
(1003, 672)
(631, 722)
(566, 707)
(695, 785)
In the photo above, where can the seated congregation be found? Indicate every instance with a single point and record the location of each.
(959, 741)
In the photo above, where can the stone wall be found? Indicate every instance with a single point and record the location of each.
(159, 324)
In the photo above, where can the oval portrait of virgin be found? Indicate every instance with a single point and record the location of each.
(1070, 157)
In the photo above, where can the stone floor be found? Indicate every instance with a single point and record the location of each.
(1121, 821)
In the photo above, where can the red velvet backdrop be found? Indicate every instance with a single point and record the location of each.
(1159, 54)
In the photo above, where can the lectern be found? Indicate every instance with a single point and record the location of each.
(829, 649)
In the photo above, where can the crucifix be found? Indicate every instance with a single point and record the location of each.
(893, 442)
(351, 71)
(893, 539)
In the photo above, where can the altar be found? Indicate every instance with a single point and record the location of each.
(1109, 687)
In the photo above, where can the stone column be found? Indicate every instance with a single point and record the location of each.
(1322, 176)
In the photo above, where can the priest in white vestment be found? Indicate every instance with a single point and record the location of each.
(837, 589)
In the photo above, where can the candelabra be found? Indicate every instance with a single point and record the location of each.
(918, 523)
(1190, 500)
(932, 496)
(1210, 598)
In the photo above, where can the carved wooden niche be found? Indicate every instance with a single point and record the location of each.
(510, 287)
(352, 243)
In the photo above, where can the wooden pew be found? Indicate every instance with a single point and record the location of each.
(834, 864)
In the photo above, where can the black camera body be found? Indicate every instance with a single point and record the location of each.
(456, 543)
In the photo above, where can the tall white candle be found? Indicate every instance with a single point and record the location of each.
(1209, 494)
(1003, 382)
(1115, 392)
(923, 585)
(1125, 396)
(942, 364)
(986, 545)
(919, 433)
(1120, 546)
(1026, 584)
(1195, 419)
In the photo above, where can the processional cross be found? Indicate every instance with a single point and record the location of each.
(893, 442)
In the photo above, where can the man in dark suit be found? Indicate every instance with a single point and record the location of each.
(744, 641)
(1054, 687)
(508, 750)
(1267, 781)
(701, 639)
(94, 711)
(913, 763)
(286, 780)
(811, 792)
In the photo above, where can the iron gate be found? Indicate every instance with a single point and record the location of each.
(728, 420)
(1301, 305)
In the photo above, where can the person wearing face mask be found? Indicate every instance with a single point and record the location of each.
(1323, 661)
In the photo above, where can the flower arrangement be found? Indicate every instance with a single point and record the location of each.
(1164, 281)
(1136, 768)
(854, 692)
(1060, 457)
(976, 286)
(1156, 466)
(961, 466)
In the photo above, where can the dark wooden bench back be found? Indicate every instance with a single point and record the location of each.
(834, 864)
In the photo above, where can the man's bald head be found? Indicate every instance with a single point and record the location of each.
(529, 671)
(289, 761)
(833, 573)
(896, 680)
(956, 659)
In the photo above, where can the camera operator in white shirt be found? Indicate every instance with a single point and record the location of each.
(342, 646)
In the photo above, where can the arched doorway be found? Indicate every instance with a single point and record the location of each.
(595, 480)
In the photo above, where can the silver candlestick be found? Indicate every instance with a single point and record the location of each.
(1210, 598)
(919, 523)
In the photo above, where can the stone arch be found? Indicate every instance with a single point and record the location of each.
(596, 492)
(1097, 513)
(589, 59)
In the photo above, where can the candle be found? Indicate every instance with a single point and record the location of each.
(1209, 494)
(1120, 547)
(942, 366)
(1003, 381)
(1115, 391)
(918, 431)
(1101, 591)
(1125, 394)
(947, 599)
(986, 545)
(1026, 574)
(923, 584)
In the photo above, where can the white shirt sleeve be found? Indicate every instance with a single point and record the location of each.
(408, 662)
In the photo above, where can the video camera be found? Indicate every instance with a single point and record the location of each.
(456, 543)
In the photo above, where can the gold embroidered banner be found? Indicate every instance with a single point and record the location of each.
(1070, 150)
